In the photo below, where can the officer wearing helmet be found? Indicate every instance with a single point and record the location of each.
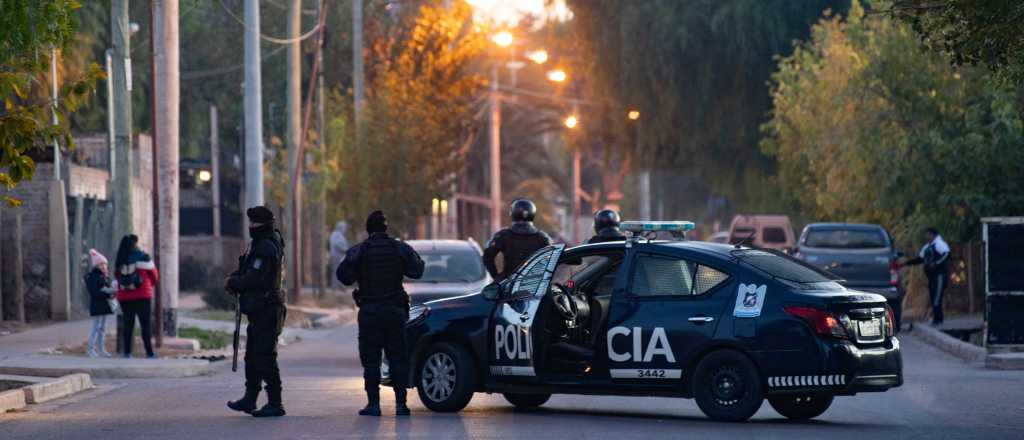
(606, 227)
(517, 242)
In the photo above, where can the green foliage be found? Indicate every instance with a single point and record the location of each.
(868, 125)
(29, 29)
(971, 32)
(696, 70)
(213, 292)
(420, 85)
(208, 339)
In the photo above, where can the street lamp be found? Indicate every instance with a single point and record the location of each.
(205, 176)
(571, 121)
(633, 115)
(538, 56)
(503, 38)
(557, 75)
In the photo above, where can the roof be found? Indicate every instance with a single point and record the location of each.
(844, 225)
(441, 245)
(720, 249)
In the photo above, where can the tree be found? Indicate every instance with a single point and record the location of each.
(971, 32)
(420, 86)
(696, 70)
(29, 29)
(869, 125)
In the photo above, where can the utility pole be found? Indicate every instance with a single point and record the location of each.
(253, 107)
(357, 65)
(166, 89)
(321, 205)
(495, 144)
(121, 64)
(218, 247)
(293, 216)
(53, 111)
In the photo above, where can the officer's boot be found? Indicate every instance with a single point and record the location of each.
(400, 408)
(372, 407)
(274, 407)
(247, 403)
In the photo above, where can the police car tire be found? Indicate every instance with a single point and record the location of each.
(732, 367)
(465, 378)
(526, 401)
(801, 407)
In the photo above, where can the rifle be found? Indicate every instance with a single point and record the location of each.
(238, 327)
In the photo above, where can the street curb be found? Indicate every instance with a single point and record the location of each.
(12, 400)
(1005, 361)
(55, 389)
(57, 366)
(936, 338)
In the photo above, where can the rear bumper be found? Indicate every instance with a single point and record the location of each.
(847, 370)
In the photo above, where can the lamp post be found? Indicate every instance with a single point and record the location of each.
(503, 39)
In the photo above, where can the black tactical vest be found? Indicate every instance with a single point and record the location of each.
(380, 270)
(518, 248)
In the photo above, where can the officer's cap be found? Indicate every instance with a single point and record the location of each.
(259, 214)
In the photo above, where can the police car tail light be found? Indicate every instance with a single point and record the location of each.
(823, 323)
(890, 328)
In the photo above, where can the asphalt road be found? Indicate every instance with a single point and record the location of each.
(942, 398)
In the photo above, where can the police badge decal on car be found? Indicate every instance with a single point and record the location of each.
(749, 300)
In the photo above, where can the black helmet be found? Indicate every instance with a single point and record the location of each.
(606, 218)
(522, 210)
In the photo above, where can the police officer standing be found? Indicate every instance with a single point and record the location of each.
(934, 256)
(379, 265)
(606, 227)
(517, 242)
(257, 282)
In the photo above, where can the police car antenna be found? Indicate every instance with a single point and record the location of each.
(746, 240)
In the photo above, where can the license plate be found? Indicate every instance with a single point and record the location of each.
(870, 329)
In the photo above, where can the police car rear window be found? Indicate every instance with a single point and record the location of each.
(782, 266)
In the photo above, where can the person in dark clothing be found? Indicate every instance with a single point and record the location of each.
(136, 278)
(257, 282)
(101, 292)
(934, 255)
(515, 243)
(606, 227)
(378, 265)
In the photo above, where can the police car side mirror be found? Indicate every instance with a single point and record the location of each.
(492, 291)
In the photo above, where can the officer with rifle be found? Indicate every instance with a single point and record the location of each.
(379, 264)
(257, 283)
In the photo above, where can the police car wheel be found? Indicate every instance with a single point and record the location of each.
(727, 386)
(447, 378)
(801, 407)
(526, 401)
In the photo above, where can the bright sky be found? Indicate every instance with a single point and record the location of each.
(509, 12)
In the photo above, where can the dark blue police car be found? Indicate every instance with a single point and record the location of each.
(728, 326)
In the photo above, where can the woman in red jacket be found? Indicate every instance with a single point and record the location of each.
(136, 276)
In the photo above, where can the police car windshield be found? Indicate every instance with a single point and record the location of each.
(786, 268)
(450, 266)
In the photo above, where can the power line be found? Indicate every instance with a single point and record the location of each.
(199, 74)
(269, 38)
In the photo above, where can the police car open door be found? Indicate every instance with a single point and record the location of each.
(511, 342)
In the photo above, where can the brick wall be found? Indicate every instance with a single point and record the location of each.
(87, 182)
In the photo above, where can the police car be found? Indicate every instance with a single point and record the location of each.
(726, 325)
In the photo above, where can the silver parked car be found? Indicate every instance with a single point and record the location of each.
(453, 268)
(862, 254)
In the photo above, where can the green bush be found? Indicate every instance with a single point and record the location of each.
(213, 292)
(208, 339)
(192, 274)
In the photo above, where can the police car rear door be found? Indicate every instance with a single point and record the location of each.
(669, 309)
(511, 344)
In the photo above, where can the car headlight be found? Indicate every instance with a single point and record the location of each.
(418, 312)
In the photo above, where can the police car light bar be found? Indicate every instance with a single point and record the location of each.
(637, 227)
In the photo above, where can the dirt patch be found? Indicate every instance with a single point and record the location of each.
(138, 350)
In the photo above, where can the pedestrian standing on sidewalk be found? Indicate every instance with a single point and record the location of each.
(934, 256)
(257, 282)
(101, 294)
(136, 276)
(379, 264)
